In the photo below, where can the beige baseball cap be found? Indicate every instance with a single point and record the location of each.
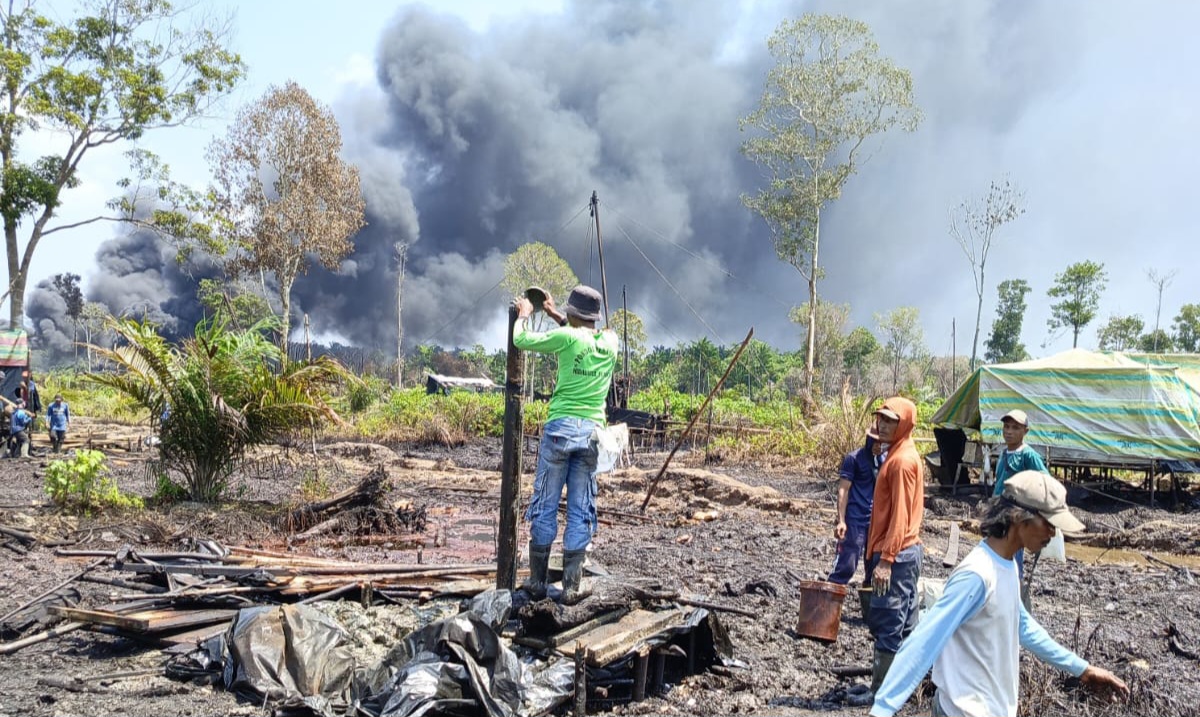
(1039, 493)
(1016, 415)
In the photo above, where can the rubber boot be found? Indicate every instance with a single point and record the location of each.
(539, 566)
(574, 588)
(880, 664)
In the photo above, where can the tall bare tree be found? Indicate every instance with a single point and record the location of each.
(828, 93)
(973, 225)
(1160, 280)
(283, 192)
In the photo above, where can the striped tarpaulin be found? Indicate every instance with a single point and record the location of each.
(1107, 403)
(14, 347)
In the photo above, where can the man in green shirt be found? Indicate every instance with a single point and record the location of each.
(567, 457)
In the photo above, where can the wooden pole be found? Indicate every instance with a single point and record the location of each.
(510, 465)
(581, 655)
(600, 251)
(683, 437)
(402, 258)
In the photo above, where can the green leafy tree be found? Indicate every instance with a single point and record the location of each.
(905, 339)
(1187, 328)
(240, 303)
(699, 366)
(283, 192)
(537, 264)
(629, 323)
(227, 391)
(973, 225)
(1078, 290)
(1156, 342)
(828, 93)
(1121, 333)
(830, 335)
(1004, 345)
(87, 75)
(859, 350)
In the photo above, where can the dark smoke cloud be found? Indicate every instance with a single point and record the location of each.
(474, 144)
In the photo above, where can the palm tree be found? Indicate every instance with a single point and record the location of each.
(226, 391)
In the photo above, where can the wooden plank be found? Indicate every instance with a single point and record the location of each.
(100, 617)
(190, 618)
(148, 620)
(950, 559)
(608, 642)
(196, 636)
(570, 635)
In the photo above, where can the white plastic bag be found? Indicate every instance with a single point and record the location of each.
(1056, 549)
(611, 443)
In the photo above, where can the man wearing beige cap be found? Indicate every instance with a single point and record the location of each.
(1016, 456)
(972, 635)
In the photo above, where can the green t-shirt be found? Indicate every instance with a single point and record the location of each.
(586, 359)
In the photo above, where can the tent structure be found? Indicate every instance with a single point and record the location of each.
(1083, 404)
(14, 358)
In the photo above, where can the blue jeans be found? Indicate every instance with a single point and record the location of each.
(567, 456)
(849, 551)
(894, 615)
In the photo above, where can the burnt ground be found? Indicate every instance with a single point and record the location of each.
(740, 535)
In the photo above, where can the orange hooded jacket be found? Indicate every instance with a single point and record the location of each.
(899, 491)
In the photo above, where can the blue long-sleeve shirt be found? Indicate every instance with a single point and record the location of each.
(20, 421)
(58, 415)
(964, 596)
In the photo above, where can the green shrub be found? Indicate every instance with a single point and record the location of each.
(82, 483)
(227, 390)
(365, 392)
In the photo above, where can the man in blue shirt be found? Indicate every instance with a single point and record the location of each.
(19, 431)
(856, 491)
(972, 636)
(59, 417)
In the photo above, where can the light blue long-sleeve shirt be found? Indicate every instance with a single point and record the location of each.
(964, 596)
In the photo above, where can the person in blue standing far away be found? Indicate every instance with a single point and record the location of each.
(567, 457)
(1014, 458)
(972, 635)
(58, 415)
(856, 491)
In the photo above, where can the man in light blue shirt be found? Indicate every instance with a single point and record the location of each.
(972, 636)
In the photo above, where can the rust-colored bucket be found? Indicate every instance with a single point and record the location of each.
(820, 609)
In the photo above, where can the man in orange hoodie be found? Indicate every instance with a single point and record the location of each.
(894, 540)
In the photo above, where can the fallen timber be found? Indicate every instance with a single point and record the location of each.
(186, 597)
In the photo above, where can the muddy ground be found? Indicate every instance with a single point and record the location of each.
(764, 531)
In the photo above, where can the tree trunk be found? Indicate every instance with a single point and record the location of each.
(285, 304)
(978, 315)
(1075, 337)
(810, 359)
(16, 282)
(75, 343)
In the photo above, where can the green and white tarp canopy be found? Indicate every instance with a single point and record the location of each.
(1109, 404)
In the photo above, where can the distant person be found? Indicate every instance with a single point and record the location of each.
(856, 493)
(894, 539)
(58, 415)
(972, 636)
(18, 430)
(567, 457)
(1016, 457)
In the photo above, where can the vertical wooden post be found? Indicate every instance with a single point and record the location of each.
(581, 655)
(641, 669)
(510, 465)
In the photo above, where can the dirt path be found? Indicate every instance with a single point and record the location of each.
(742, 538)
